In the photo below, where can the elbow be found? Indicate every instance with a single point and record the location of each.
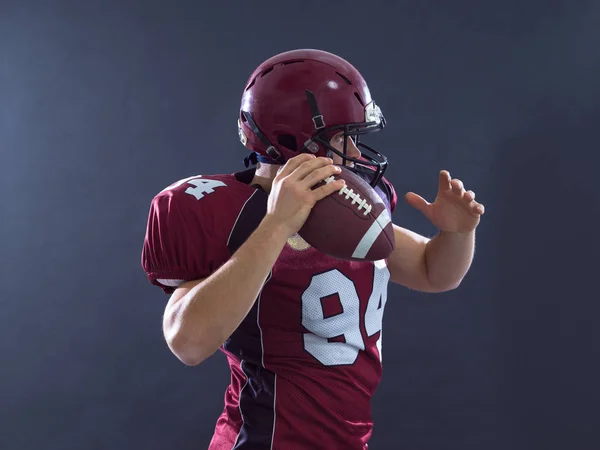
(444, 287)
(455, 284)
(191, 352)
(190, 360)
(189, 344)
(450, 287)
(188, 353)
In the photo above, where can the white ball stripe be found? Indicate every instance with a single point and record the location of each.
(372, 234)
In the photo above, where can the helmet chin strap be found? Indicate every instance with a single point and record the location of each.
(255, 158)
(250, 159)
(265, 159)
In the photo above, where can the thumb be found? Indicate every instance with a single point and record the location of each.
(416, 201)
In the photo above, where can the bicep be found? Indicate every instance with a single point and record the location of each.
(407, 264)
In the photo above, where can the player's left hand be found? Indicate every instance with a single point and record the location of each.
(454, 209)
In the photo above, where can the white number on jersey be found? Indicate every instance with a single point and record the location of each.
(201, 185)
(346, 323)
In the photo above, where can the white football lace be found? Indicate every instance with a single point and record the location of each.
(350, 194)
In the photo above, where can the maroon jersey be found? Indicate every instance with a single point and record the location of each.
(306, 360)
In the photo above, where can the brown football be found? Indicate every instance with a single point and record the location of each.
(350, 224)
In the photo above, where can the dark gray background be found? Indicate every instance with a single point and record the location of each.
(102, 104)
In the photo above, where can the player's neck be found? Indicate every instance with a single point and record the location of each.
(264, 175)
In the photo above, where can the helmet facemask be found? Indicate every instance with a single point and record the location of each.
(372, 164)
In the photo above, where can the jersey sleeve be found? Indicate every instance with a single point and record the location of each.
(386, 191)
(181, 242)
(391, 194)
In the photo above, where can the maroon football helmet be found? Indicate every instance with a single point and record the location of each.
(298, 100)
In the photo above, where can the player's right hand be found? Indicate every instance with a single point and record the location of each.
(292, 197)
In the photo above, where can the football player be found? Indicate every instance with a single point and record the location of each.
(301, 330)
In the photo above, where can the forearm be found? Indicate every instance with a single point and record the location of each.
(211, 311)
(448, 257)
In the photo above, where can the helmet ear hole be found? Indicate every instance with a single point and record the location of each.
(288, 141)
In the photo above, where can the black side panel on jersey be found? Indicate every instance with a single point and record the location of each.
(245, 342)
(250, 216)
(257, 398)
